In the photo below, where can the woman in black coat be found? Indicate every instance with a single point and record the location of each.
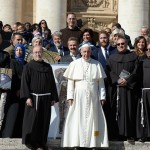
(14, 108)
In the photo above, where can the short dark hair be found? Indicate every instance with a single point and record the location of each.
(71, 13)
(6, 25)
(118, 25)
(14, 34)
(90, 31)
(35, 26)
(73, 39)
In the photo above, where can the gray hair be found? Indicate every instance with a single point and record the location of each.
(57, 33)
(86, 45)
(116, 31)
(145, 27)
(35, 38)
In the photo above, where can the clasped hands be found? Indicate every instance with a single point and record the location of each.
(122, 82)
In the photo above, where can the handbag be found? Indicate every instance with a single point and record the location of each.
(5, 78)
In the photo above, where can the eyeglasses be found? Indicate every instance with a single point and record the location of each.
(118, 44)
(148, 49)
(43, 22)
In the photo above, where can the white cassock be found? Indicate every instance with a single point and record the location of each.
(85, 124)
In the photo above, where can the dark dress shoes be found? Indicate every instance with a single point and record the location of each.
(75, 148)
(142, 140)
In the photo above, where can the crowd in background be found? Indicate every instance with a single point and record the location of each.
(127, 113)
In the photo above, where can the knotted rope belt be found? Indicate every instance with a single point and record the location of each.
(37, 97)
(142, 107)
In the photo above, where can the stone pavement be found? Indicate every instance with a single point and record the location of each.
(15, 144)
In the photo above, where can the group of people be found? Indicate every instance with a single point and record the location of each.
(107, 90)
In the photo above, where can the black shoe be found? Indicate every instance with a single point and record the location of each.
(130, 139)
(142, 140)
(29, 146)
(75, 148)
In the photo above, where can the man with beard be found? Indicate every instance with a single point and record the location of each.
(101, 54)
(73, 48)
(57, 45)
(104, 49)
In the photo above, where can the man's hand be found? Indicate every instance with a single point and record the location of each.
(102, 102)
(122, 82)
(57, 58)
(70, 102)
(29, 102)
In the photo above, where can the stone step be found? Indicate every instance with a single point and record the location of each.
(15, 144)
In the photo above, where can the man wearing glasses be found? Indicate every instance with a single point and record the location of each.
(121, 70)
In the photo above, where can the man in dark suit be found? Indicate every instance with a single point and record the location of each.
(57, 45)
(73, 51)
(102, 53)
(104, 49)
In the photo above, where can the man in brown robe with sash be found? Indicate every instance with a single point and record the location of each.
(39, 91)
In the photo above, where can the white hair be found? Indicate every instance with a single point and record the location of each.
(35, 38)
(86, 45)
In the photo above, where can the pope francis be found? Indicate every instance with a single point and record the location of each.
(85, 124)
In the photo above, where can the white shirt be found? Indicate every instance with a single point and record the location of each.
(74, 57)
(103, 51)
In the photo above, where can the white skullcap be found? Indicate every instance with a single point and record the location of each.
(86, 45)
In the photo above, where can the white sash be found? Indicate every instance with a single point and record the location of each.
(37, 97)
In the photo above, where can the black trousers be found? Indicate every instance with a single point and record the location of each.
(10, 120)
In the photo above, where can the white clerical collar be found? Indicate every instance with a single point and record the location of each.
(86, 60)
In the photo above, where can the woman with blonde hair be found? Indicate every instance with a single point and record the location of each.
(117, 33)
